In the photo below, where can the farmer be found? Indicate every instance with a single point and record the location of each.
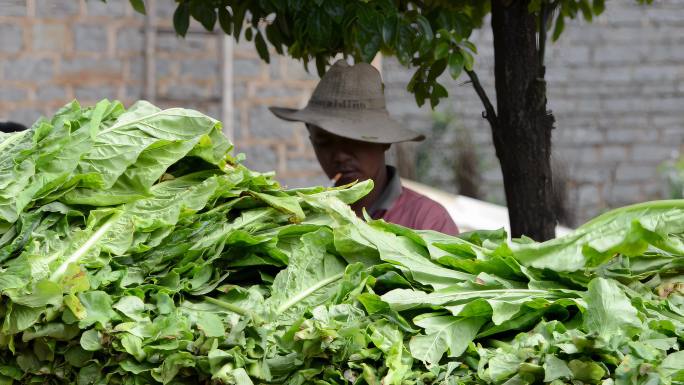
(351, 130)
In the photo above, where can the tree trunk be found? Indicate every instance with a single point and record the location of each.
(522, 127)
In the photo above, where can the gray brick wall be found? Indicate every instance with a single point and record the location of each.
(616, 87)
(54, 51)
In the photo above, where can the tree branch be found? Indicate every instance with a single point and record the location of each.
(543, 17)
(490, 112)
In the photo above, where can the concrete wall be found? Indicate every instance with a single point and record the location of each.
(616, 87)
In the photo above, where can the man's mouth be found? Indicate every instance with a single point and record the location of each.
(347, 177)
(346, 170)
(348, 173)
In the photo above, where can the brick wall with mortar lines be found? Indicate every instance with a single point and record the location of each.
(187, 70)
(616, 87)
(54, 51)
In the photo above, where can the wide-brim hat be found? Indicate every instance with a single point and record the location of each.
(349, 102)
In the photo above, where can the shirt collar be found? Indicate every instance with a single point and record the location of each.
(389, 195)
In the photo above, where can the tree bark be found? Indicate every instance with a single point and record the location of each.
(522, 126)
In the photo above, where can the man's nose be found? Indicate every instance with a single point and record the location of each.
(341, 156)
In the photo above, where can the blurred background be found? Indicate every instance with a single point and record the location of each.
(616, 87)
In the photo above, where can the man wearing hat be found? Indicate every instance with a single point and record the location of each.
(351, 130)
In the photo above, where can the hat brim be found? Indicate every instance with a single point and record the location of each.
(374, 126)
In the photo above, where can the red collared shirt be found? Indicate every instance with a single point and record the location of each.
(405, 207)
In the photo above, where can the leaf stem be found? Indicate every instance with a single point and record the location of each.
(473, 294)
(228, 306)
(92, 241)
(11, 139)
(308, 292)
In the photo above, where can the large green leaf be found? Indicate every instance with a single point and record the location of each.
(403, 299)
(145, 222)
(98, 307)
(673, 365)
(43, 161)
(309, 280)
(609, 311)
(398, 250)
(136, 150)
(442, 334)
(629, 230)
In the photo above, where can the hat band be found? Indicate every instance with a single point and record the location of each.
(348, 104)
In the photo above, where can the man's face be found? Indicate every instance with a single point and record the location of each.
(352, 159)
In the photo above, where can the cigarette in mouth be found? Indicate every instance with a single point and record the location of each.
(336, 178)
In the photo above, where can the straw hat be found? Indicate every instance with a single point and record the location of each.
(349, 102)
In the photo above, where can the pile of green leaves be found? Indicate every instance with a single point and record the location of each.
(136, 250)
